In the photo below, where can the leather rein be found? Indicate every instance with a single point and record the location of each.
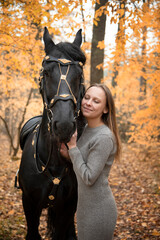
(48, 105)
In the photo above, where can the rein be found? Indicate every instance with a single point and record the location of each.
(63, 77)
(44, 168)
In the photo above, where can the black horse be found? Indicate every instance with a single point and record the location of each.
(47, 179)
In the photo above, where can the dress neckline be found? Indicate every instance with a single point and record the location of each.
(95, 128)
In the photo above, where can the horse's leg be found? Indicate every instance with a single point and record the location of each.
(32, 214)
(70, 214)
(64, 228)
(71, 232)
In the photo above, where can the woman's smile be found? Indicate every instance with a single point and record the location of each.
(87, 109)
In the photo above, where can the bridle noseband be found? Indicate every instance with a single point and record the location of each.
(57, 96)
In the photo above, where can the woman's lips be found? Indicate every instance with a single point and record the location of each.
(87, 109)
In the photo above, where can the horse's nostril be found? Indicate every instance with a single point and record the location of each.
(64, 130)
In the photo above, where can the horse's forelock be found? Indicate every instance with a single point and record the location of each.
(72, 51)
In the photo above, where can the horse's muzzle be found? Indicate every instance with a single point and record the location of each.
(64, 130)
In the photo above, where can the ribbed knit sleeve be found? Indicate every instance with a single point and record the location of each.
(89, 169)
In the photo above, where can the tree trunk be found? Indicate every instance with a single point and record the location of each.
(97, 55)
(143, 83)
(83, 20)
(120, 43)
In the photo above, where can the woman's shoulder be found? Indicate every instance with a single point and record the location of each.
(102, 139)
(105, 130)
(104, 135)
(101, 132)
(99, 137)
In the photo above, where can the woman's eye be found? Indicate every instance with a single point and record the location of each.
(86, 97)
(96, 100)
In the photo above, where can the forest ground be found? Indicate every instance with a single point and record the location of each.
(134, 182)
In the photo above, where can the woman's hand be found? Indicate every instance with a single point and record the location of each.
(64, 151)
(70, 144)
(73, 141)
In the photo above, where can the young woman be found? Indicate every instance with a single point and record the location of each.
(92, 157)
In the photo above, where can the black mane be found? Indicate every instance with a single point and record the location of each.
(72, 51)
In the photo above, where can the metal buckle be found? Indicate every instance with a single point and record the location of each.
(51, 197)
(63, 77)
(56, 181)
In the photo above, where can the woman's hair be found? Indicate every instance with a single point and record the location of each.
(109, 118)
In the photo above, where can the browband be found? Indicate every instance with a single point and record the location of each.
(61, 61)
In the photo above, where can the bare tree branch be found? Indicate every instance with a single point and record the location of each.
(23, 116)
(8, 131)
(15, 149)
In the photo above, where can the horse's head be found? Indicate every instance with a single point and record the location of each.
(61, 84)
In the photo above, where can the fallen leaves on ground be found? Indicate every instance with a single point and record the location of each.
(134, 183)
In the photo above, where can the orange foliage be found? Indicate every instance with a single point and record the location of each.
(138, 113)
(21, 28)
(22, 51)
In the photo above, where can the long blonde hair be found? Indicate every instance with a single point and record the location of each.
(109, 118)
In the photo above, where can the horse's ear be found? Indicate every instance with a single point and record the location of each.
(78, 39)
(48, 42)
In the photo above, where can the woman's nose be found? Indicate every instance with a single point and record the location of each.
(88, 102)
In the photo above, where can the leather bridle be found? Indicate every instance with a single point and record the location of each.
(48, 105)
(57, 96)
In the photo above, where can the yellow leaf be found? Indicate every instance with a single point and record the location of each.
(99, 66)
(11, 212)
(95, 22)
(144, 224)
(155, 233)
(101, 45)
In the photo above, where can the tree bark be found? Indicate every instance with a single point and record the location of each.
(83, 20)
(97, 55)
(143, 82)
(120, 43)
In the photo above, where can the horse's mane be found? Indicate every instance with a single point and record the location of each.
(72, 51)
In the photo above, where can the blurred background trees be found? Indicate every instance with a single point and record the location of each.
(129, 66)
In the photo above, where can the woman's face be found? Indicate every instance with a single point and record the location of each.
(94, 103)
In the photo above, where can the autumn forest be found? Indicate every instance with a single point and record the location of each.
(121, 44)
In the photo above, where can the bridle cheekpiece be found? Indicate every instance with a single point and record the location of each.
(57, 96)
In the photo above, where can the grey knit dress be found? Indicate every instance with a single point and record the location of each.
(92, 160)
